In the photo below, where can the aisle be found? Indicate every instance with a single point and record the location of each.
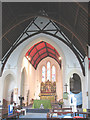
(35, 115)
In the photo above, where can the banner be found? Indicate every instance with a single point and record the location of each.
(78, 98)
(10, 109)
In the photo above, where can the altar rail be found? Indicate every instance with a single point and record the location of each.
(37, 110)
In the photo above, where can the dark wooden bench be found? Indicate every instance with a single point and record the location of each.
(83, 113)
(62, 109)
(4, 113)
(15, 115)
(59, 113)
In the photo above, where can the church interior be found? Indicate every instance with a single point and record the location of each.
(45, 59)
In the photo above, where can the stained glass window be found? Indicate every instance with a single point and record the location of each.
(53, 73)
(48, 71)
(43, 74)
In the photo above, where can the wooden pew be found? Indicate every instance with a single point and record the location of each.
(4, 113)
(59, 113)
(15, 115)
(62, 109)
(83, 113)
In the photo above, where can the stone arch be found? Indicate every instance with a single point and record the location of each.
(8, 88)
(75, 83)
(75, 71)
(71, 75)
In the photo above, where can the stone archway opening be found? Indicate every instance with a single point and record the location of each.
(76, 89)
(8, 90)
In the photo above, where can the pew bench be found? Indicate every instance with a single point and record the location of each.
(15, 115)
(62, 110)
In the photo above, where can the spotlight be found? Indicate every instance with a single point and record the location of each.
(60, 58)
(28, 58)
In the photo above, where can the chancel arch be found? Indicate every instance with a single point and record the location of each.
(32, 73)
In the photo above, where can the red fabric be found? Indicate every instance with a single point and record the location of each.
(17, 112)
(77, 117)
(89, 63)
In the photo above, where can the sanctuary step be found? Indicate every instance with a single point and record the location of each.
(37, 110)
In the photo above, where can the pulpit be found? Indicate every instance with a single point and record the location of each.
(48, 91)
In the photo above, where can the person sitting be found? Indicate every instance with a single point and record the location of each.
(14, 108)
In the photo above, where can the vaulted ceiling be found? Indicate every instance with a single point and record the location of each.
(70, 17)
(40, 51)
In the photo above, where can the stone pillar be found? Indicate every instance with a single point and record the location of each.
(0, 37)
(1, 93)
(1, 86)
(88, 79)
(85, 85)
(1, 102)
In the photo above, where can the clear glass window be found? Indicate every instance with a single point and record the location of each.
(53, 74)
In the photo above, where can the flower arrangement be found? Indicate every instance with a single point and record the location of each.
(61, 102)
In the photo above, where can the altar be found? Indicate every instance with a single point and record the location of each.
(48, 91)
(46, 104)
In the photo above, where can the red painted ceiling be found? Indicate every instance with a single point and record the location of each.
(40, 51)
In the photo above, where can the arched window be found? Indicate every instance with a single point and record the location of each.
(43, 74)
(53, 74)
(48, 71)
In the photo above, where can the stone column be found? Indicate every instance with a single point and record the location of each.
(1, 86)
(0, 37)
(85, 85)
(1, 93)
